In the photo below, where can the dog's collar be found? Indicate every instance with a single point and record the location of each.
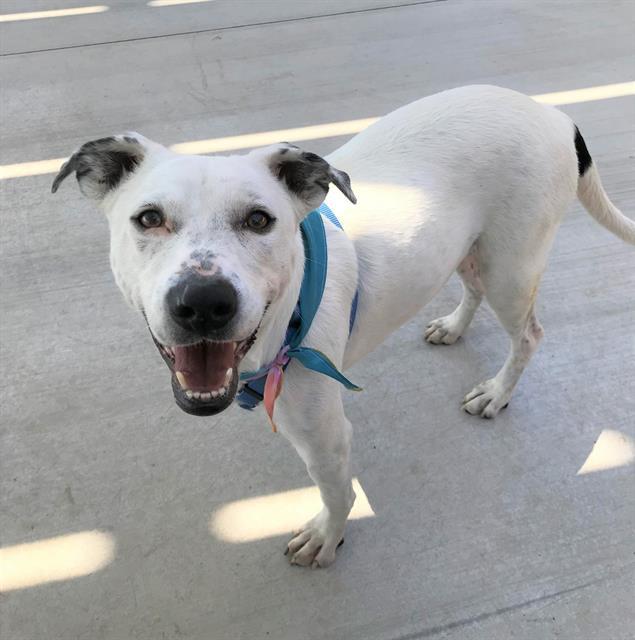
(266, 383)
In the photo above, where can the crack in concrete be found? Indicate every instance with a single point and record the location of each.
(481, 617)
(227, 28)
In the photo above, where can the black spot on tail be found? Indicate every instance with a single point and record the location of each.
(584, 157)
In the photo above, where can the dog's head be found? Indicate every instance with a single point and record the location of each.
(202, 246)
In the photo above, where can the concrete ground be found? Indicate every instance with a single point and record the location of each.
(123, 518)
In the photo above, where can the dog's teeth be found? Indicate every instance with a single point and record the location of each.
(228, 376)
(181, 378)
(197, 394)
(188, 394)
(206, 396)
(214, 394)
(222, 391)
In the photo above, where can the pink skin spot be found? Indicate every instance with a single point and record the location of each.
(210, 271)
(470, 271)
(536, 329)
(201, 263)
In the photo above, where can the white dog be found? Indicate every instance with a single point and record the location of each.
(209, 249)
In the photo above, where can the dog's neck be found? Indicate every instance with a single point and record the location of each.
(275, 322)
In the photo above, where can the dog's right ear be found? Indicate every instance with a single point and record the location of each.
(101, 165)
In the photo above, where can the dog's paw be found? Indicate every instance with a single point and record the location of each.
(446, 330)
(314, 545)
(486, 399)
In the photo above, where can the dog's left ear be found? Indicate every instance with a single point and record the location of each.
(306, 175)
(101, 165)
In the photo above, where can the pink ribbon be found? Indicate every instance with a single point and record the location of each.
(273, 383)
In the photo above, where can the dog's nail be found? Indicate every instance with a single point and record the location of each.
(340, 543)
(286, 551)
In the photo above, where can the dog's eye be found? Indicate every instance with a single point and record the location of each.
(150, 219)
(258, 220)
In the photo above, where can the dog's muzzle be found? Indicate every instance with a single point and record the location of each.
(205, 372)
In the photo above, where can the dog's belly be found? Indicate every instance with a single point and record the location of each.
(397, 277)
(409, 235)
(407, 246)
(406, 250)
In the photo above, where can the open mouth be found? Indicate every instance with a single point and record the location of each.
(205, 374)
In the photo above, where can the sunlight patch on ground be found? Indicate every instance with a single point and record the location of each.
(312, 132)
(601, 92)
(53, 13)
(262, 139)
(54, 559)
(276, 514)
(611, 450)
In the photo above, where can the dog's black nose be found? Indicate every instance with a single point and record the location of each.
(202, 304)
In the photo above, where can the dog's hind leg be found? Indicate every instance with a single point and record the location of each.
(448, 329)
(511, 285)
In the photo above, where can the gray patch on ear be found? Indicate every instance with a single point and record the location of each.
(308, 176)
(342, 181)
(100, 165)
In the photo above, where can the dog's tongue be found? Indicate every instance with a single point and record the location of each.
(204, 366)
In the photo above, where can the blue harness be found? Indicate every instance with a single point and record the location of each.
(311, 290)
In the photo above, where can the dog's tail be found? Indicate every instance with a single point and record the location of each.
(592, 195)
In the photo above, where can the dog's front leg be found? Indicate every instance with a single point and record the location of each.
(312, 418)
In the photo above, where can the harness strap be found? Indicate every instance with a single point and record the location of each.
(266, 383)
(325, 210)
